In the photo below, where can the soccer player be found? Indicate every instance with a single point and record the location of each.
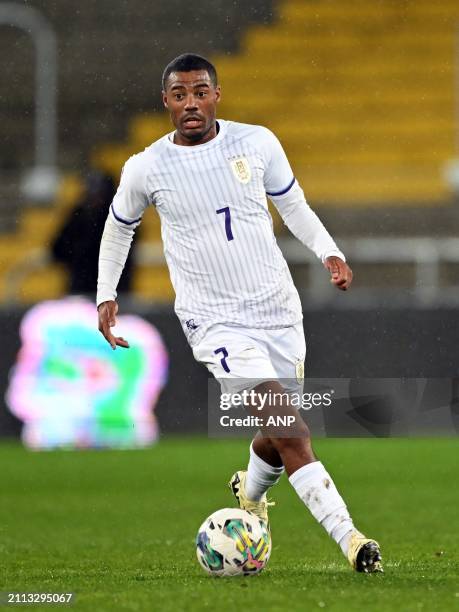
(235, 297)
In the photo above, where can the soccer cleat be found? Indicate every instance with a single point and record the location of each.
(364, 554)
(237, 486)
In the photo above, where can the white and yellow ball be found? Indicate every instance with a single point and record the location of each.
(233, 542)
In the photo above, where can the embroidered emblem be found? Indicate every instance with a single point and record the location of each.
(191, 324)
(299, 369)
(241, 169)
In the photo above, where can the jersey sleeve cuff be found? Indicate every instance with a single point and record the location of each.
(104, 296)
(333, 253)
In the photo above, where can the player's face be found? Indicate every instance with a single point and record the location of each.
(191, 99)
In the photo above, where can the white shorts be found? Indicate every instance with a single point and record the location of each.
(240, 358)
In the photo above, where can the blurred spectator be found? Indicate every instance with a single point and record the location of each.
(77, 242)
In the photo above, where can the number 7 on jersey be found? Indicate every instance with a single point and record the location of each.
(226, 210)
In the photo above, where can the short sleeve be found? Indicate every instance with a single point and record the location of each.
(278, 178)
(131, 198)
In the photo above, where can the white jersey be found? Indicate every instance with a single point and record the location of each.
(219, 244)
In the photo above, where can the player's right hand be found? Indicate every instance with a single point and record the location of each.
(107, 319)
(340, 273)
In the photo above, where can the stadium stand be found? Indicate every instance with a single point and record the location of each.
(361, 96)
(102, 83)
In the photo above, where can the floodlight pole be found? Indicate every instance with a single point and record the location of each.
(40, 182)
(456, 92)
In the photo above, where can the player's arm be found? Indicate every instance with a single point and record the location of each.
(305, 225)
(302, 221)
(124, 216)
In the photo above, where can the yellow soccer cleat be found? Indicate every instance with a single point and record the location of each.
(237, 486)
(364, 554)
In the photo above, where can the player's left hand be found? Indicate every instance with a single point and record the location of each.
(341, 274)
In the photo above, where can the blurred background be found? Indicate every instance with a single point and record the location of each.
(364, 97)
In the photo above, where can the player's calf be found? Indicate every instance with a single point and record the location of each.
(315, 486)
(294, 452)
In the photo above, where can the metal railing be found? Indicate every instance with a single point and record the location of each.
(427, 255)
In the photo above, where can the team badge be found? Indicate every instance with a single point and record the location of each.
(299, 368)
(241, 169)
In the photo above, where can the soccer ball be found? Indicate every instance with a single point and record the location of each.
(233, 542)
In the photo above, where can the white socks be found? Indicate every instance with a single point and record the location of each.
(260, 476)
(315, 487)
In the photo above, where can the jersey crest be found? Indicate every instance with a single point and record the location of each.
(299, 371)
(241, 169)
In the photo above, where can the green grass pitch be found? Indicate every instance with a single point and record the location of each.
(118, 528)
